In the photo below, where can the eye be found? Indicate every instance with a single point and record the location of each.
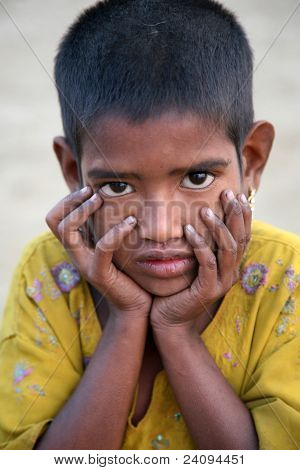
(198, 180)
(116, 189)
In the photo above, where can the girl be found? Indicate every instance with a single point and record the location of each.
(153, 314)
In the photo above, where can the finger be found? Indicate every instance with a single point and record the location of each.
(73, 239)
(207, 272)
(226, 245)
(247, 213)
(234, 220)
(102, 266)
(68, 227)
(65, 206)
(242, 240)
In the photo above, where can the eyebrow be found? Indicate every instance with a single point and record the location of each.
(99, 173)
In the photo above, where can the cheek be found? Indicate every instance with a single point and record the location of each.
(107, 217)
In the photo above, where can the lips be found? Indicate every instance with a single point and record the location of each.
(165, 254)
(167, 267)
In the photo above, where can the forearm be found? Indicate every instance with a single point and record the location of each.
(96, 414)
(215, 415)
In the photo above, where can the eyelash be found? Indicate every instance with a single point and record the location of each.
(206, 173)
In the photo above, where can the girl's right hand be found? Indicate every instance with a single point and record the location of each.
(96, 266)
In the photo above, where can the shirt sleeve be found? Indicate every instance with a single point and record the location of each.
(36, 374)
(272, 392)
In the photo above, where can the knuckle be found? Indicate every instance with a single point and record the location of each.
(237, 208)
(211, 262)
(99, 245)
(220, 223)
(233, 248)
(61, 229)
(242, 241)
(70, 198)
(201, 243)
(80, 209)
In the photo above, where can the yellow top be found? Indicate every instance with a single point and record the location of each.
(50, 330)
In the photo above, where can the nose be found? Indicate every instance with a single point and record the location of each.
(160, 221)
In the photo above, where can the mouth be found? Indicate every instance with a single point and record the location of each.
(166, 265)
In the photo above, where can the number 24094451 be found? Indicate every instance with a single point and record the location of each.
(211, 459)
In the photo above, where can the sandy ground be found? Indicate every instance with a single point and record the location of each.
(31, 181)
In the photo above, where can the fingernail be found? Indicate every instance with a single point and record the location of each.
(229, 195)
(84, 190)
(130, 220)
(190, 229)
(243, 199)
(94, 197)
(209, 213)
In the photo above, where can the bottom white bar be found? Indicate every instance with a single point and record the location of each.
(176, 459)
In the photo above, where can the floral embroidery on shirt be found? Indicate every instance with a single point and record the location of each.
(44, 286)
(289, 306)
(41, 329)
(240, 321)
(160, 442)
(229, 356)
(66, 276)
(53, 340)
(38, 341)
(41, 315)
(21, 371)
(281, 328)
(41, 325)
(253, 276)
(36, 389)
(288, 319)
(35, 291)
(291, 285)
(50, 337)
(49, 287)
(290, 271)
(273, 288)
(237, 326)
(291, 279)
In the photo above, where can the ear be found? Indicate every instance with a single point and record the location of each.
(256, 150)
(68, 163)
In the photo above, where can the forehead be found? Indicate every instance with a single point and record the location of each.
(160, 143)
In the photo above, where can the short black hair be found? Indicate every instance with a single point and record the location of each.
(140, 58)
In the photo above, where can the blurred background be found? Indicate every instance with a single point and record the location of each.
(31, 181)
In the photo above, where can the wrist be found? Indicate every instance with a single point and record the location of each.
(130, 318)
(173, 330)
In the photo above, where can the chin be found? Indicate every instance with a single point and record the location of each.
(165, 287)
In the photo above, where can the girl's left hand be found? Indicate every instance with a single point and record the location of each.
(215, 276)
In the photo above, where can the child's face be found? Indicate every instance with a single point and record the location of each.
(173, 166)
